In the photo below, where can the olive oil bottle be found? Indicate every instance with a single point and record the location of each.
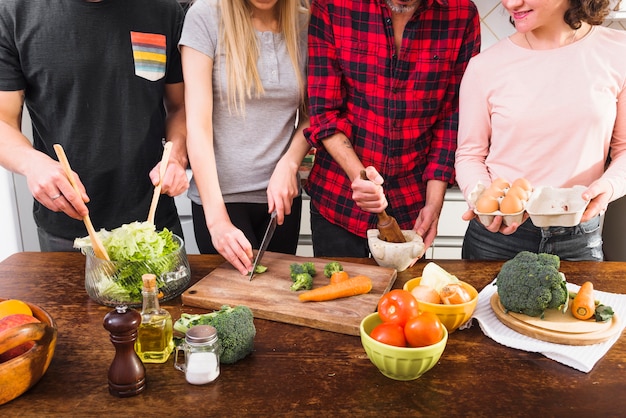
(155, 335)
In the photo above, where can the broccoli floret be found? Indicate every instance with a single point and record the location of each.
(549, 260)
(235, 330)
(309, 267)
(331, 268)
(531, 283)
(259, 269)
(303, 281)
(295, 269)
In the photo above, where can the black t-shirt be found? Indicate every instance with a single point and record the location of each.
(94, 76)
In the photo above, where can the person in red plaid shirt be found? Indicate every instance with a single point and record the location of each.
(383, 82)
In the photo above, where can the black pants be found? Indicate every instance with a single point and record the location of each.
(330, 240)
(252, 219)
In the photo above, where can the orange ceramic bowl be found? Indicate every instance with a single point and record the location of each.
(452, 316)
(22, 372)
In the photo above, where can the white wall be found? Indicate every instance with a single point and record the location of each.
(10, 238)
(18, 231)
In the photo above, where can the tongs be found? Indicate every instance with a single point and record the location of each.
(167, 148)
(98, 249)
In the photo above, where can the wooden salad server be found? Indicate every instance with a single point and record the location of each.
(98, 248)
(388, 228)
(167, 148)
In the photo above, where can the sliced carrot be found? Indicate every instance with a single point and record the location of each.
(584, 305)
(339, 276)
(356, 285)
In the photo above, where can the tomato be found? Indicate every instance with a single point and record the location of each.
(424, 329)
(397, 306)
(389, 333)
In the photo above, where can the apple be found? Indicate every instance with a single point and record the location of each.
(12, 321)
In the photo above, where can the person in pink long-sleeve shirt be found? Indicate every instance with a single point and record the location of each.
(547, 104)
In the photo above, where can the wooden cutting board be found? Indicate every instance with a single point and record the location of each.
(269, 297)
(557, 327)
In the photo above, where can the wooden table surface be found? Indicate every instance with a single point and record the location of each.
(299, 371)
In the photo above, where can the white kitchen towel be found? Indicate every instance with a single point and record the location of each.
(581, 358)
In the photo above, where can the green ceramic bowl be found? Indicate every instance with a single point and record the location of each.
(399, 363)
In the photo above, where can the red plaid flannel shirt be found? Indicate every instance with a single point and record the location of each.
(400, 111)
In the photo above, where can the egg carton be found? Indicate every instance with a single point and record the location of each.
(486, 218)
(554, 206)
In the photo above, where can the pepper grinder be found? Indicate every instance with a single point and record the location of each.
(127, 374)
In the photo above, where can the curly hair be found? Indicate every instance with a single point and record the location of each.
(591, 11)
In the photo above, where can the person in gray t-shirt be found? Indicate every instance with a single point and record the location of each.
(245, 101)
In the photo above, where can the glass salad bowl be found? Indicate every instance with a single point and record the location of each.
(113, 283)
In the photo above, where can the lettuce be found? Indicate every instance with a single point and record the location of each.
(138, 241)
(135, 249)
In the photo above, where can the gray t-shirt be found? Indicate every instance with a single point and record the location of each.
(246, 148)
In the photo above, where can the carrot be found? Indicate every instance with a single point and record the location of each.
(584, 305)
(339, 276)
(356, 285)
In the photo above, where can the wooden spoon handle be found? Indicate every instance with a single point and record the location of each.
(388, 228)
(157, 189)
(98, 248)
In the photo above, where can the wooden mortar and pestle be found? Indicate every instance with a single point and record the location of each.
(388, 227)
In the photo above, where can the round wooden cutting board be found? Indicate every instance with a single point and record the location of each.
(557, 327)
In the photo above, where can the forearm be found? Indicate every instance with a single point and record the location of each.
(340, 148)
(16, 151)
(175, 123)
(435, 194)
(298, 148)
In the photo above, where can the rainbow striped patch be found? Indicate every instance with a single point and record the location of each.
(149, 54)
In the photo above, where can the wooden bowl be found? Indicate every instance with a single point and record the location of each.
(22, 372)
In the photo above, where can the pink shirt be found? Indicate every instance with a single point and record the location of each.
(547, 115)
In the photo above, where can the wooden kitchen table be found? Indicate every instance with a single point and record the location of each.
(298, 371)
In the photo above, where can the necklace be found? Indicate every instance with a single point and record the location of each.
(571, 40)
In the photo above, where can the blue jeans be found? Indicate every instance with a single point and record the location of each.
(576, 243)
(330, 240)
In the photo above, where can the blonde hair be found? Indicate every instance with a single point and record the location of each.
(241, 49)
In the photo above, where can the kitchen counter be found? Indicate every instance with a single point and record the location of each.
(299, 371)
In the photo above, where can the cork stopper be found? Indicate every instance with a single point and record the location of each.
(149, 282)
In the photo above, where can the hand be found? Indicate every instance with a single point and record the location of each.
(369, 194)
(233, 245)
(497, 225)
(282, 189)
(598, 194)
(50, 186)
(175, 181)
(426, 224)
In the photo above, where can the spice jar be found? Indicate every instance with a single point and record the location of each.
(201, 355)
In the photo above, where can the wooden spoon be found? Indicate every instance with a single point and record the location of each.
(98, 248)
(157, 189)
(388, 228)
